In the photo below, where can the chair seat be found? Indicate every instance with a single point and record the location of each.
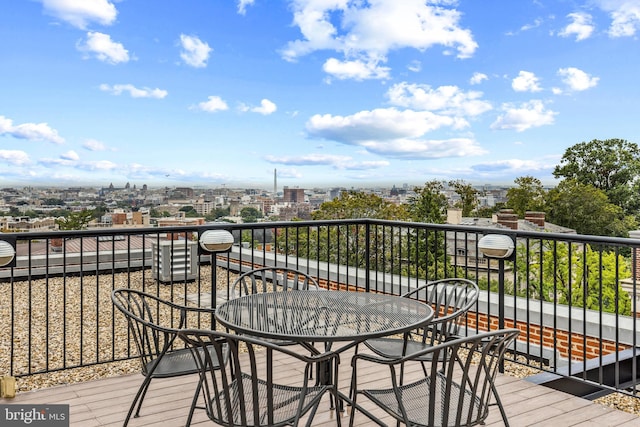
(415, 398)
(286, 401)
(177, 363)
(392, 348)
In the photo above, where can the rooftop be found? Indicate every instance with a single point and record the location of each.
(105, 403)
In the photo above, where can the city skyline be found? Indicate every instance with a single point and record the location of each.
(329, 94)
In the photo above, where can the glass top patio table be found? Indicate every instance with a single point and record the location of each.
(323, 315)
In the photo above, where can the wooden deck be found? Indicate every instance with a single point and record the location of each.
(105, 403)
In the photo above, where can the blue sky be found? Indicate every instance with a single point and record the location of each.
(327, 92)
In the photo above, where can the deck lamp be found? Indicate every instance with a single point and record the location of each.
(500, 246)
(216, 240)
(496, 246)
(7, 253)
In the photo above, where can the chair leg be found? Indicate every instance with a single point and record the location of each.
(142, 394)
(338, 408)
(194, 404)
(499, 403)
(352, 415)
(137, 401)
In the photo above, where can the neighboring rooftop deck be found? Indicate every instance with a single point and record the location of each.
(105, 403)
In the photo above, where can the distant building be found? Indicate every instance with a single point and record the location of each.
(204, 206)
(182, 192)
(19, 224)
(293, 195)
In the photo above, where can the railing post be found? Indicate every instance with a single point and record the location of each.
(501, 312)
(502, 247)
(367, 240)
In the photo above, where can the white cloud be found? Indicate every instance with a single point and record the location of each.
(478, 78)
(577, 79)
(195, 52)
(536, 23)
(70, 155)
(512, 166)
(242, 6)
(381, 123)
(30, 131)
(266, 107)
(80, 13)
(104, 165)
(415, 66)
(337, 162)
(527, 115)
(445, 99)
(357, 70)
(134, 92)
(102, 47)
(425, 148)
(625, 16)
(308, 159)
(526, 82)
(393, 133)
(94, 145)
(213, 104)
(581, 26)
(14, 157)
(6, 125)
(364, 32)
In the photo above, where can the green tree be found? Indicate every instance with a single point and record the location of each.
(429, 203)
(30, 213)
(528, 195)
(587, 210)
(75, 220)
(425, 248)
(488, 211)
(355, 205)
(217, 213)
(468, 196)
(349, 242)
(250, 214)
(573, 274)
(100, 211)
(612, 165)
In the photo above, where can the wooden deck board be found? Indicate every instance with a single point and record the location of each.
(105, 403)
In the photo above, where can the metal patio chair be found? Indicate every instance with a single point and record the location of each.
(450, 299)
(154, 324)
(246, 391)
(456, 390)
(273, 279)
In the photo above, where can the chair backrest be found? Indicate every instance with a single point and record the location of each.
(242, 392)
(450, 298)
(272, 279)
(153, 322)
(461, 384)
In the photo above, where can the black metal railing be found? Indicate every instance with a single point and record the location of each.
(573, 297)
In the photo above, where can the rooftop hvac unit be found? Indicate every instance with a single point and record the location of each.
(174, 260)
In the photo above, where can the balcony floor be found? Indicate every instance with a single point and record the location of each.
(105, 403)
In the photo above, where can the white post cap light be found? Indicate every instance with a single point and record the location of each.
(7, 253)
(216, 240)
(496, 245)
